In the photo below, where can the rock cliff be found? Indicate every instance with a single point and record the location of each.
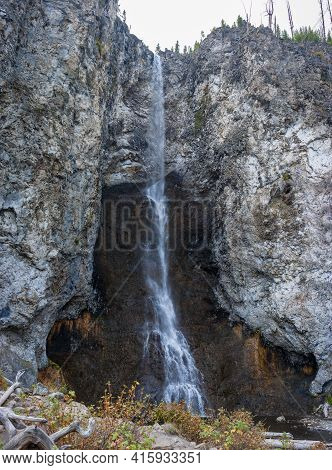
(249, 127)
(62, 67)
(248, 130)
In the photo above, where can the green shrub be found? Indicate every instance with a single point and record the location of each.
(238, 431)
(201, 113)
(101, 47)
(306, 34)
(127, 436)
(128, 405)
(199, 120)
(187, 424)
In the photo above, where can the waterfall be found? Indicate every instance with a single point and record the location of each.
(182, 379)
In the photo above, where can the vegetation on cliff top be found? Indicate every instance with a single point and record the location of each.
(299, 35)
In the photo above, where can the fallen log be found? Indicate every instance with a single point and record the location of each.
(31, 437)
(273, 435)
(293, 444)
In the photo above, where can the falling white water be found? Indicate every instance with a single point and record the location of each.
(182, 378)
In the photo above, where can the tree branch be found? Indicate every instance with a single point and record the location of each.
(30, 435)
(13, 387)
(75, 427)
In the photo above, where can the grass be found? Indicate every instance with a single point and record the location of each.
(328, 399)
(3, 382)
(52, 377)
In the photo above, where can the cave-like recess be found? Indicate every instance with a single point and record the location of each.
(239, 370)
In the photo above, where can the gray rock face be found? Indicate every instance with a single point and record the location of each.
(165, 437)
(59, 87)
(249, 127)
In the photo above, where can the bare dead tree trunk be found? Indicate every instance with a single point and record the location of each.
(330, 9)
(290, 17)
(248, 15)
(323, 18)
(270, 11)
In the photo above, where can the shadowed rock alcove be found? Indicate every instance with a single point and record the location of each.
(239, 370)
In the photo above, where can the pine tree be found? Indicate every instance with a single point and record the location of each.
(158, 48)
(284, 35)
(329, 39)
(185, 50)
(196, 46)
(202, 36)
(306, 34)
(223, 24)
(124, 16)
(239, 21)
(177, 47)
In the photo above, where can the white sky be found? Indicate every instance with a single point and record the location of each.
(166, 21)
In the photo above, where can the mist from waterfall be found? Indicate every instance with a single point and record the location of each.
(182, 378)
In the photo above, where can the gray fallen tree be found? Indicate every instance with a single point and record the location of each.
(282, 440)
(324, 409)
(19, 436)
(294, 444)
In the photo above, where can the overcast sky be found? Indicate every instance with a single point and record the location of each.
(166, 21)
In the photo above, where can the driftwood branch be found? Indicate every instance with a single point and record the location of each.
(12, 388)
(18, 436)
(13, 422)
(31, 436)
(10, 429)
(74, 427)
(7, 380)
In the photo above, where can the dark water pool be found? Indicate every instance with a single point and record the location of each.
(296, 427)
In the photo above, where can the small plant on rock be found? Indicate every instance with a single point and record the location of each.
(187, 424)
(328, 400)
(3, 382)
(127, 436)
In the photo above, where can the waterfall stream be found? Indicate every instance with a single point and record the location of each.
(182, 378)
